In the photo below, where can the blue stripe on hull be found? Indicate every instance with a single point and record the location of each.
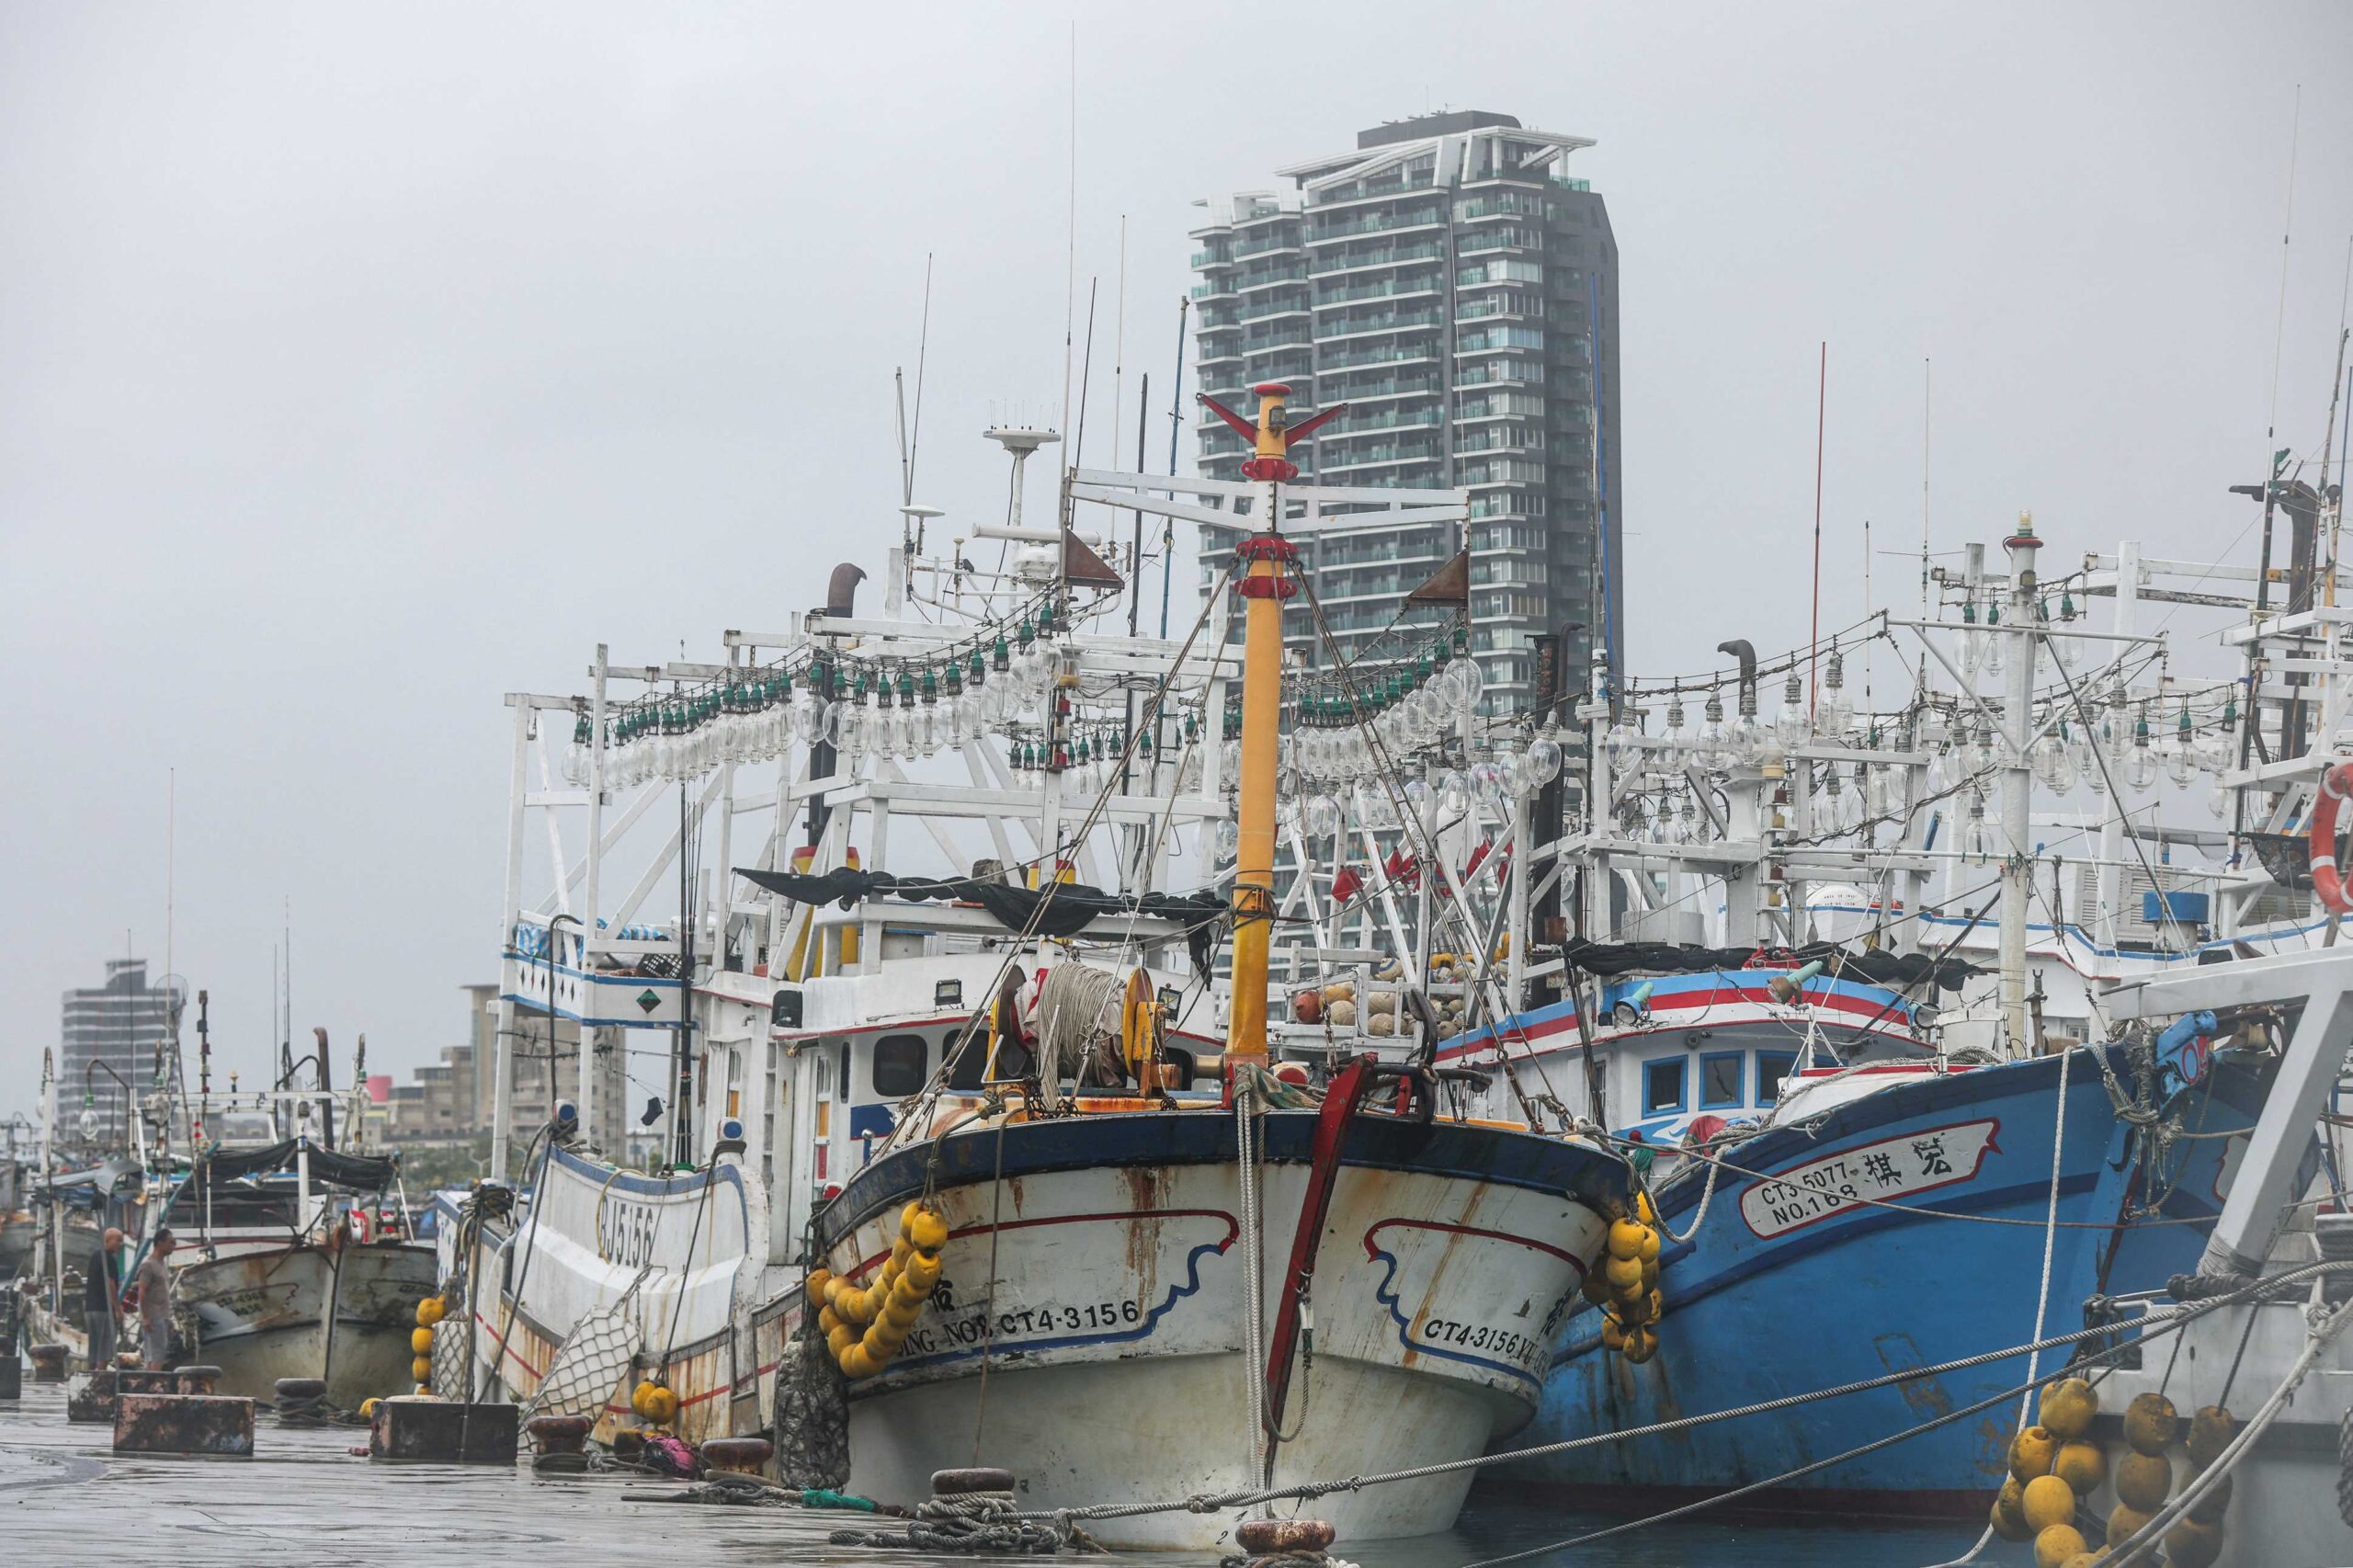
(1868, 1291)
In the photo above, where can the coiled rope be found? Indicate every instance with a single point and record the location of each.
(973, 1522)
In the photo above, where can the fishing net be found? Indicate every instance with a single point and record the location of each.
(812, 1413)
(590, 1365)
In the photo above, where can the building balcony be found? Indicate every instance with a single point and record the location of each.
(1376, 223)
(1399, 355)
(1205, 259)
(1319, 266)
(1266, 307)
(1399, 321)
(1400, 289)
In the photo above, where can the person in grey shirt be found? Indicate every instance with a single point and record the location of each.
(153, 1283)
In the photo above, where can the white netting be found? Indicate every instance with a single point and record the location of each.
(451, 1352)
(590, 1364)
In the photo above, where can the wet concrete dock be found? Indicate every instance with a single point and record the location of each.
(306, 1498)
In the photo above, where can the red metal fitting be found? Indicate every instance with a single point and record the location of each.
(1267, 588)
(1280, 471)
(1272, 389)
(1267, 546)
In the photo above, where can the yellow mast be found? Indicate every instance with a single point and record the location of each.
(1267, 581)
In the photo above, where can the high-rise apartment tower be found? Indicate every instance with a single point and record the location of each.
(1459, 290)
(112, 1036)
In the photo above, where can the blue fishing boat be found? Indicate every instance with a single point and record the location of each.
(1900, 1228)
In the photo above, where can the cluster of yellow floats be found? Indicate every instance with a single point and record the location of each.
(429, 1312)
(1623, 1282)
(2055, 1465)
(865, 1325)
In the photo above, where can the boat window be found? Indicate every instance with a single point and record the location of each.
(901, 1065)
(1720, 1075)
(971, 1064)
(1663, 1085)
(1772, 1066)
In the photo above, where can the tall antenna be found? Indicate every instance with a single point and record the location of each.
(1813, 638)
(1086, 371)
(1928, 372)
(1120, 345)
(1176, 424)
(923, 353)
(1070, 261)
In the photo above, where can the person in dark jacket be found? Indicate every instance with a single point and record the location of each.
(102, 1297)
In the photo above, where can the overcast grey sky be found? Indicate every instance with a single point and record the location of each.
(357, 365)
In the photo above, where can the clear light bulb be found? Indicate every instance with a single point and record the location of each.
(1794, 726)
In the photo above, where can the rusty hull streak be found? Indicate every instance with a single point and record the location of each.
(1372, 1183)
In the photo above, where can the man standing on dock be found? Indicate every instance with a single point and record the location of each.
(153, 1283)
(102, 1298)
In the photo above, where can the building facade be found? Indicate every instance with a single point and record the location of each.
(115, 1034)
(451, 1100)
(1459, 291)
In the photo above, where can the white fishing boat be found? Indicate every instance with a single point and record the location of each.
(1164, 1178)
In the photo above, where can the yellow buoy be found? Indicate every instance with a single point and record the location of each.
(661, 1405)
(2031, 1452)
(2143, 1481)
(2009, 1511)
(421, 1341)
(856, 1363)
(367, 1409)
(1595, 1287)
(2209, 1509)
(2123, 1521)
(828, 1320)
(837, 1340)
(922, 1272)
(1613, 1333)
(1626, 1238)
(2210, 1434)
(421, 1369)
(2190, 1544)
(2082, 1466)
(431, 1311)
(421, 1391)
(1625, 1274)
(1649, 1244)
(2067, 1408)
(2048, 1501)
(816, 1283)
(907, 1216)
(1650, 1274)
(2083, 1559)
(1641, 1343)
(2052, 1547)
(636, 1397)
(1642, 1209)
(927, 1231)
(2150, 1423)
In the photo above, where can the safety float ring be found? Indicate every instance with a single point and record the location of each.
(2328, 882)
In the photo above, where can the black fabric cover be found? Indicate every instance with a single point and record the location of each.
(1874, 967)
(361, 1172)
(1070, 907)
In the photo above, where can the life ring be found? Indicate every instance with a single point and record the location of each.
(2328, 885)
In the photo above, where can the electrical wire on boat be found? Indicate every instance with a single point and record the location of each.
(2155, 1323)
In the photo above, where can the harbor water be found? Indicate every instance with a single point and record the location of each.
(306, 1498)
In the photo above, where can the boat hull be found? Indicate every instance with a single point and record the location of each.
(261, 1315)
(676, 1249)
(1089, 1329)
(1780, 1293)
